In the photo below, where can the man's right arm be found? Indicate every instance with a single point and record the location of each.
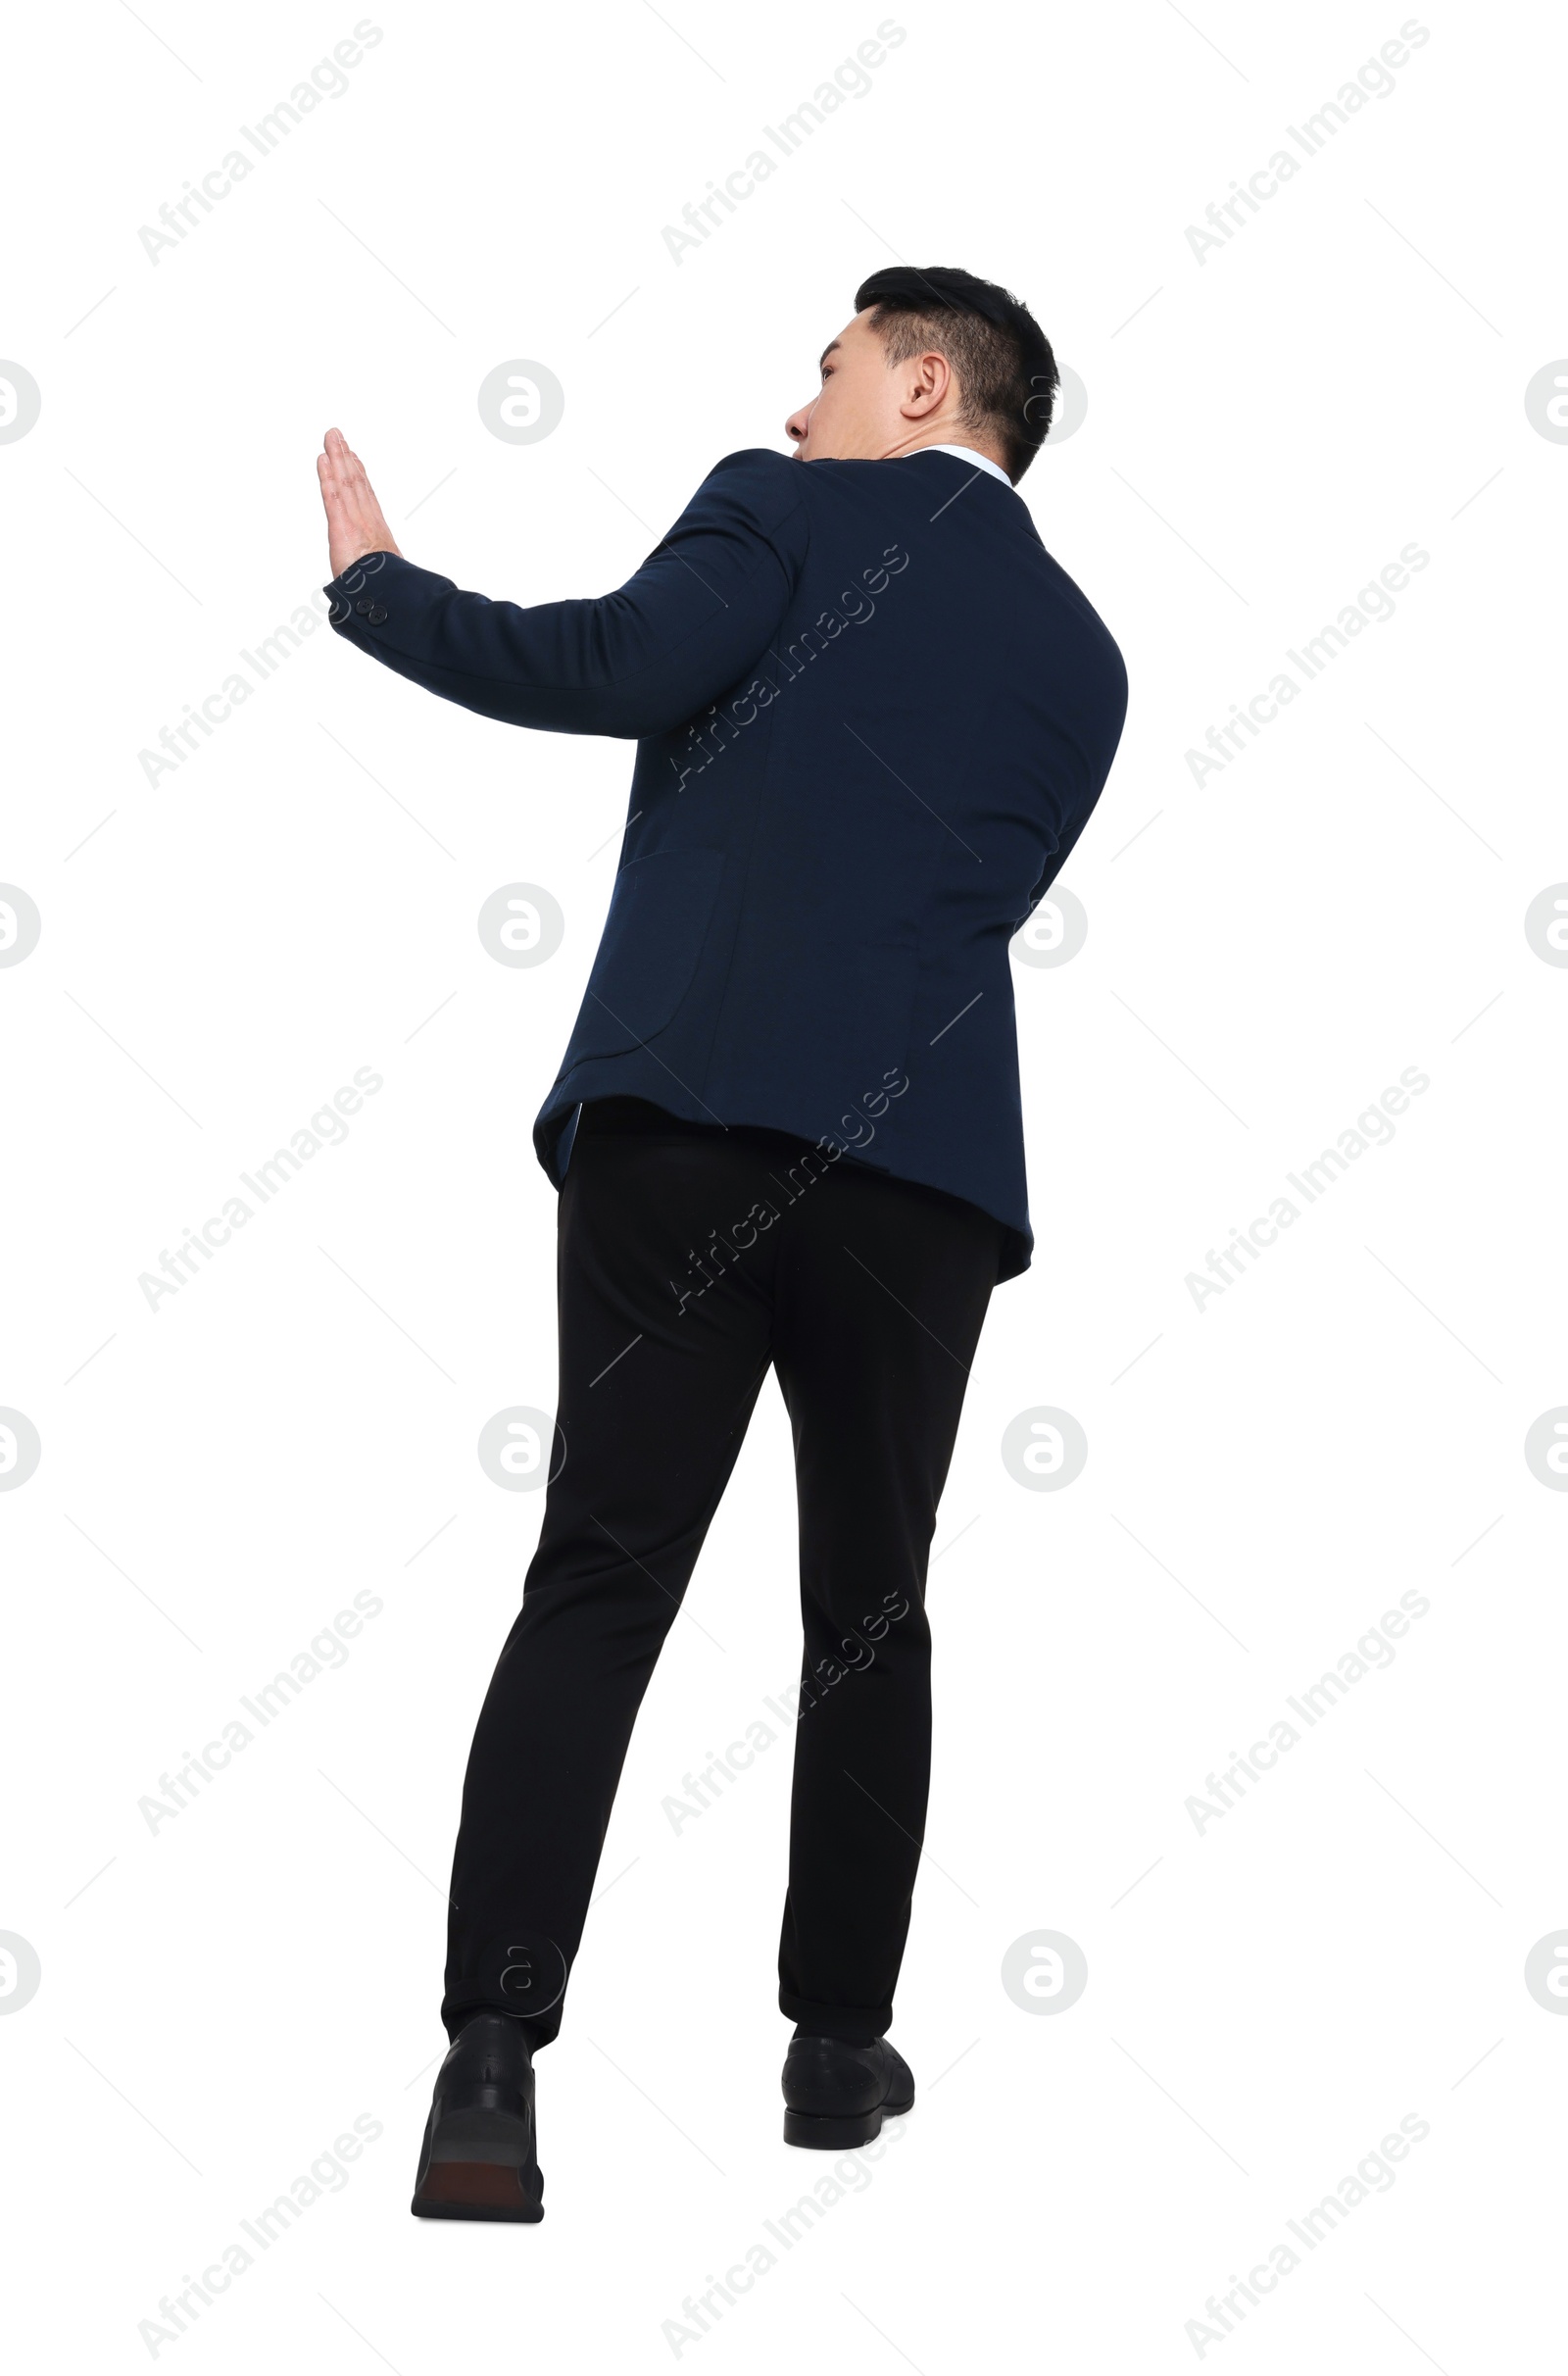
(703, 608)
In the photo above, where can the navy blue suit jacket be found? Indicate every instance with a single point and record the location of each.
(872, 715)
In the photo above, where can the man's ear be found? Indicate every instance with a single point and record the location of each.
(931, 377)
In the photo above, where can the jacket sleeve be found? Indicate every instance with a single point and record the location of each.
(702, 607)
(1102, 686)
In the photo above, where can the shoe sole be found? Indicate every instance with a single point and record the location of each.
(425, 2206)
(837, 2132)
(480, 2166)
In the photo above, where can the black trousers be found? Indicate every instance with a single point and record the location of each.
(690, 1259)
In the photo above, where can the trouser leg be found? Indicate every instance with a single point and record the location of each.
(880, 1295)
(654, 1403)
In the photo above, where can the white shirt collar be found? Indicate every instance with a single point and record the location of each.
(981, 462)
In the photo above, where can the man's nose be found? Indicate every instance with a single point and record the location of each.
(798, 424)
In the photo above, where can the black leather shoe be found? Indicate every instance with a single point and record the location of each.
(478, 2160)
(835, 2095)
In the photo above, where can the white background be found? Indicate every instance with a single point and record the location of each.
(1267, 951)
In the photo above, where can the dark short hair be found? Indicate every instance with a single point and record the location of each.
(1006, 373)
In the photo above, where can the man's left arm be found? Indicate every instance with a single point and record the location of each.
(1094, 751)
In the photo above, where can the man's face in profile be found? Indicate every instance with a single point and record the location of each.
(855, 415)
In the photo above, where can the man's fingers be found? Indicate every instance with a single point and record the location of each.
(338, 483)
(350, 473)
(354, 516)
(332, 493)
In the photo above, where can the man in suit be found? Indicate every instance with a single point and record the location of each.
(872, 715)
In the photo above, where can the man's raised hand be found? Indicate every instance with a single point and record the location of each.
(355, 522)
